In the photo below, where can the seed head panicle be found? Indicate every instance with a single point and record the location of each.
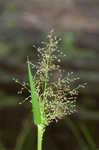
(57, 95)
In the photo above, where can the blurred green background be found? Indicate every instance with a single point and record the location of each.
(24, 23)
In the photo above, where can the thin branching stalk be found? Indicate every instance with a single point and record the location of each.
(46, 77)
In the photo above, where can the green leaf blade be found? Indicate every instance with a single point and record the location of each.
(35, 103)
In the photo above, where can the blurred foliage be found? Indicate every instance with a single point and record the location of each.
(71, 50)
(3, 49)
(86, 142)
(6, 100)
(26, 140)
(88, 136)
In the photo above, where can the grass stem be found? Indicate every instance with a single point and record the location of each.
(40, 137)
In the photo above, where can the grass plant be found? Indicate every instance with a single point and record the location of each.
(52, 95)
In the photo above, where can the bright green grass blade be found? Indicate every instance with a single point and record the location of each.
(35, 103)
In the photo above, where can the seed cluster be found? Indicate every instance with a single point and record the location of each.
(57, 95)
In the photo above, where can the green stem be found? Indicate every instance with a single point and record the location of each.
(40, 136)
